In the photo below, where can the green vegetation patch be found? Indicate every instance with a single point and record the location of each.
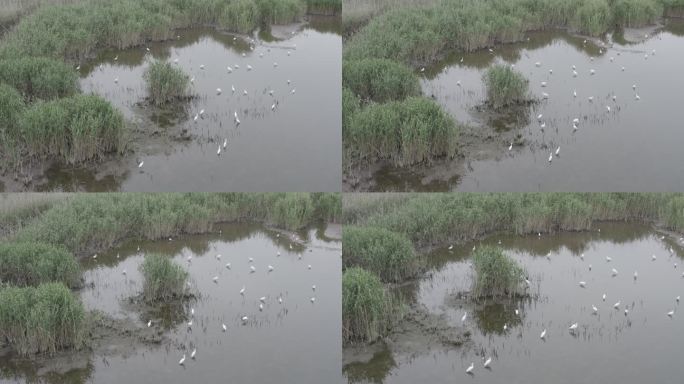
(387, 254)
(39, 78)
(505, 86)
(166, 83)
(43, 319)
(408, 132)
(365, 306)
(496, 274)
(11, 108)
(164, 279)
(31, 264)
(379, 80)
(75, 129)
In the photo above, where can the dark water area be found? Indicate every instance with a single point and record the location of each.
(288, 105)
(607, 347)
(294, 341)
(636, 142)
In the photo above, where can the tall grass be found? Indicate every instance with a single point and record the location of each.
(496, 274)
(19, 209)
(387, 254)
(505, 86)
(39, 78)
(350, 105)
(365, 306)
(91, 222)
(379, 80)
(408, 132)
(419, 34)
(164, 280)
(11, 108)
(430, 219)
(324, 7)
(31, 264)
(165, 83)
(43, 319)
(674, 214)
(75, 129)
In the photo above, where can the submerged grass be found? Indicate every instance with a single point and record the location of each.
(496, 274)
(404, 133)
(505, 86)
(379, 80)
(164, 279)
(92, 222)
(31, 264)
(166, 83)
(365, 306)
(387, 254)
(43, 319)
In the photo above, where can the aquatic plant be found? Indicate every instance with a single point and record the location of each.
(39, 78)
(379, 80)
(387, 254)
(91, 222)
(75, 129)
(505, 86)
(365, 306)
(31, 264)
(327, 206)
(674, 214)
(350, 104)
(408, 132)
(166, 83)
(636, 13)
(496, 274)
(429, 219)
(43, 319)
(164, 279)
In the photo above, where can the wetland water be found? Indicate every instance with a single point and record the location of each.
(296, 341)
(609, 347)
(637, 143)
(294, 147)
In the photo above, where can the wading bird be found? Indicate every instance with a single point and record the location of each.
(543, 334)
(487, 362)
(182, 360)
(470, 368)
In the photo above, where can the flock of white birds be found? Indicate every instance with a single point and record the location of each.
(573, 327)
(262, 53)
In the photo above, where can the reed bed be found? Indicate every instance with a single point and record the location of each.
(379, 80)
(43, 319)
(39, 78)
(164, 280)
(92, 222)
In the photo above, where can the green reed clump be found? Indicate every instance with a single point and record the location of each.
(379, 80)
(408, 132)
(324, 7)
(674, 214)
(496, 274)
(164, 279)
(91, 222)
(280, 11)
(31, 264)
(387, 254)
(240, 16)
(75, 129)
(39, 78)
(446, 218)
(365, 306)
(19, 209)
(43, 319)
(327, 206)
(636, 13)
(11, 108)
(505, 86)
(166, 83)
(350, 104)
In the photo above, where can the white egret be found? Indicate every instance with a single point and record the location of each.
(550, 157)
(182, 360)
(202, 66)
(614, 272)
(543, 84)
(244, 319)
(458, 83)
(487, 362)
(573, 327)
(593, 308)
(215, 279)
(252, 269)
(604, 297)
(194, 352)
(558, 151)
(218, 152)
(236, 66)
(228, 265)
(249, 67)
(309, 266)
(230, 70)
(149, 323)
(616, 305)
(653, 257)
(671, 313)
(313, 287)
(540, 117)
(510, 147)
(470, 368)
(244, 92)
(192, 80)
(538, 64)
(270, 268)
(218, 91)
(261, 307)
(583, 284)
(635, 275)
(225, 143)
(591, 99)
(609, 259)
(223, 326)
(543, 334)
(463, 318)
(313, 299)
(242, 291)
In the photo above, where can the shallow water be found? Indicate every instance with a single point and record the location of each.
(293, 147)
(296, 341)
(637, 143)
(642, 346)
